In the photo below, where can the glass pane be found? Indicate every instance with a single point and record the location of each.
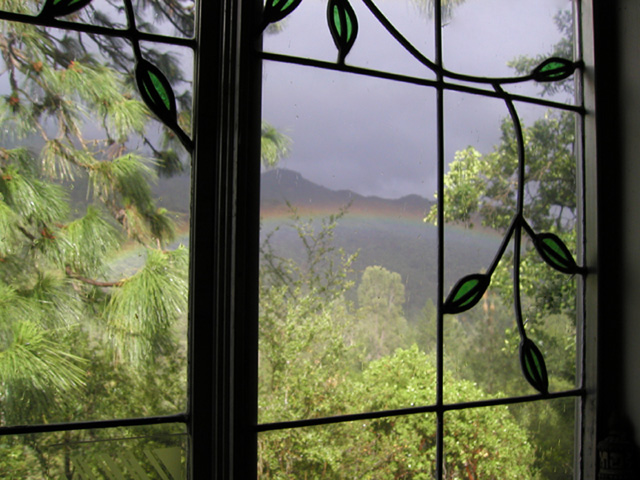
(305, 33)
(492, 37)
(482, 343)
(168, 17)
(28, 8)
(529, 440)
(108, 13)
(328, 349)
(153, 452)
(399, 447)
(94, 209)
(348, 265)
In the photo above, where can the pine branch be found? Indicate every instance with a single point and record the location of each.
(91, 281)
(148, 143)
(26, 233)
(170, 16)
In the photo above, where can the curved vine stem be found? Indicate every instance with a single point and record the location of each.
(437, 69)
(170, 122)
(503, 246)
(519, 217)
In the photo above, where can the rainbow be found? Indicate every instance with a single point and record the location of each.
(384, 218)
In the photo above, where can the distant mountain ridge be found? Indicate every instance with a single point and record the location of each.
(279, 186)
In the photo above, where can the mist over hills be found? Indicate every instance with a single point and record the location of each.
(386, 232)
(280, 186)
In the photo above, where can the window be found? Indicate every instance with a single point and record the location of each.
(95, 218)
(210, 432)
(402, 408)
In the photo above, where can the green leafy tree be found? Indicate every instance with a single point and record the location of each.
(381, 324)
(311, 365)
(305, 355)
(479, 443)
(483, 185)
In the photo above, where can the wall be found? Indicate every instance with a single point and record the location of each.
(628, 16)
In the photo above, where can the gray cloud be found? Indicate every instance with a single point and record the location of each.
(377, 137)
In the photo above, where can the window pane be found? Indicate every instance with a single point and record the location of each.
(29, 8)
(348, 265)
(368, 341)
(528, 440)
(94, 202)
(386, 448)
(170, 17)
(118, 453)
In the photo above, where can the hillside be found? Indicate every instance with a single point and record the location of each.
(280, 186)
(386, 232)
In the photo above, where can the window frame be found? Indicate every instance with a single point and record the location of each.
(233, 265)
(224, 243)
(585, 456)
(223, 315)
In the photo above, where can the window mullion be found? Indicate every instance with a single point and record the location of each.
(224, 242)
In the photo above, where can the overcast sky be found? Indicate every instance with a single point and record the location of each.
(377, 137)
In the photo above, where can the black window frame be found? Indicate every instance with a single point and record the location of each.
(224, 243)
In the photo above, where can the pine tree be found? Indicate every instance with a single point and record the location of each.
(77, 170)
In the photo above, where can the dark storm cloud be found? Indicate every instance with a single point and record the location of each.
(377, 137)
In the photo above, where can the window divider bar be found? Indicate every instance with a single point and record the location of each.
(581, 303)
(203, 333)
(440, 152)
(593, 46)
(93, 425)
(309, 62)
(434, 408)
(225, 240)
(97, 29)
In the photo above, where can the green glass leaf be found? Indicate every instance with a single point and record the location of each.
(156, 92)
(343, 25)
(555, 253)
(466, 293)
(60, 8)
(276, 10)
(533, 366)
(553, 69)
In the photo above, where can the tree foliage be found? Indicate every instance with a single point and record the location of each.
(381, 324)
(274, 145)
(78, 339)
(316, 361)
(483, 186)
